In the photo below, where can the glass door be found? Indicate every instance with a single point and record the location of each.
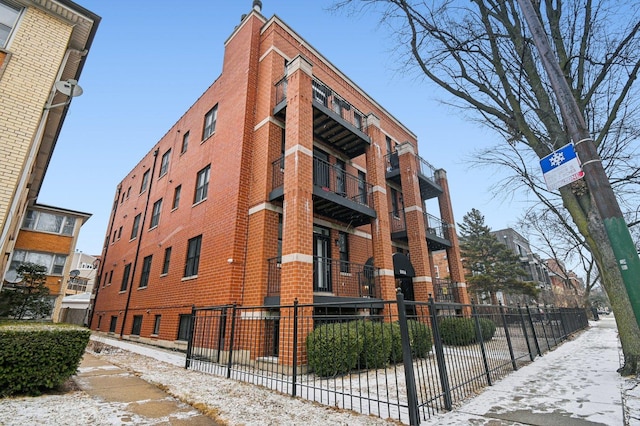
(322, 260)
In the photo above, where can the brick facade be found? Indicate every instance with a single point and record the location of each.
(297, 205)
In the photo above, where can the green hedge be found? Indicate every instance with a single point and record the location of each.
(459, 331)
(334, 349)
(38, 357)
(420, 338)
(376, 347)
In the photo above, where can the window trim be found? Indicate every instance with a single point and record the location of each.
(202, 189)
(209, 129)
(145, 181)
(135, 227)
(146, 271)
(164, 163)
(166, 262)
(19, 10)
(177, 192)
(192, 260)
(155, 214)
(185, 143)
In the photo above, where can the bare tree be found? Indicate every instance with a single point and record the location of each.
(479, 53)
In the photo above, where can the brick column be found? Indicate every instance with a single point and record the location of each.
(296, 279)
(380, 230)
(456, 272)
(415, 223)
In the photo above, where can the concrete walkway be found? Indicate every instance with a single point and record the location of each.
(143, 402)
(574, 385)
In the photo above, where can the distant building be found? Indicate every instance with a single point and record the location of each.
(48, 237)
(82, 275)
(43, 47)
(568, 288)
(284, 181)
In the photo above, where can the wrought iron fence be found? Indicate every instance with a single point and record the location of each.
(394, 359)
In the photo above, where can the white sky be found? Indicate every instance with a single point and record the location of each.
(151, 60)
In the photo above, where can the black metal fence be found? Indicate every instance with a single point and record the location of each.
(393, 359)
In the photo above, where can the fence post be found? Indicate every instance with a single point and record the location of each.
(231, 338)
(412, 393)
(295, 348)
(524, 331)
(533, 330)
(542, 314)
(222, 328)
(476, 320)
(442, 365)
(507, 336)
(187, 361)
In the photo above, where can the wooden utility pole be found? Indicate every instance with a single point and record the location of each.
(594, 174)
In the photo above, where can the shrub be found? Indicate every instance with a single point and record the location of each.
(420, 338)
(39, 357)
(334, 349)
(458, 331)
(376, 347)
(488, 328)
(395, 355)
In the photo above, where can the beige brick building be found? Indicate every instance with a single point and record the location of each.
(41, 42)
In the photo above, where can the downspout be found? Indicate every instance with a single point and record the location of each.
(33, 153)
(104, 253)
(135, 260)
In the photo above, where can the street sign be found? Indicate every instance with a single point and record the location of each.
(561, 167)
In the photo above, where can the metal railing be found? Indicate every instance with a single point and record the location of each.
(328, 98)
(333, 276)
(404, 361)
(392, 162)
(334, 179)
(435, 226)
(443, 290)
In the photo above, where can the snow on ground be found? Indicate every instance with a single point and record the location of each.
(575, 380)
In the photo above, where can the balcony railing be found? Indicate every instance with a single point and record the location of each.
(336, 277)
(334, 179)
(429, 188)
(435, 226)
(443, 290)
(325, 96)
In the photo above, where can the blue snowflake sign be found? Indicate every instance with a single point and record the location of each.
(561, 167)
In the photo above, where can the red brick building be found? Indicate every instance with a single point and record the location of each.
(284, 181)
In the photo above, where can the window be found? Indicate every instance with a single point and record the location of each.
(164, 163)
(193, 256)
(146, 269)
(343, 247)
(184, 327)
(125, 277)
(210, 119)
(145, 181)
(119, 232)
(128, 191)
(167, 260)
(137, 325)
(136, 225)
(115, 233)
(110, 277)
(362, 187)
(176, 197)
(156, 325)
(54, 263)
(99, 321)
(112, 324)
(155, 215)
(394, 203)
(389, 145)
(185, 143)
(357, 120)
(8, 17)
(341, 177)
(437, 271)
(202, 184)
(49, 222)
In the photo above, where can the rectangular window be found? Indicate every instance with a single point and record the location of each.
(176, 197)
(128, 191)
(119, 232)
(146, 270)
(202, 184)
(110, 277)
(156, 325)
(362, 187)
(394, 202)
(54, 263)
(125, 277)
(8, 17)
(113, 323)
(210, 119)
(343, 246)
(184, 327)
(145, 181)
(137, 325)
(155, 215)
(49, 222)
(99, 321)
(193, 256)
(136, 225)
(115, 234)
(164, 163)
(357, 120)
(185, 143)
(167, 260)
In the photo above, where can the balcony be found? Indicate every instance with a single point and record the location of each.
(443, 290)
(333, 280)
(429, 188)
(336, 193)
(437, 231)
(335, 121)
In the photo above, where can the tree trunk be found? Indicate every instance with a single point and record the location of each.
(592, 228)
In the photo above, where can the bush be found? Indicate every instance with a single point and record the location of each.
(334, 349)
(420, 338)
(488, 328)
(458, 331)
(376, 347)
(39, 357)
(395, 355)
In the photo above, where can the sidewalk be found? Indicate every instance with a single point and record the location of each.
(574, 385)
(142, 402)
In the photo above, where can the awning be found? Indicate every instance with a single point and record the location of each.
(402, 266)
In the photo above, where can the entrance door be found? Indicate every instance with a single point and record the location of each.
(321, 260)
